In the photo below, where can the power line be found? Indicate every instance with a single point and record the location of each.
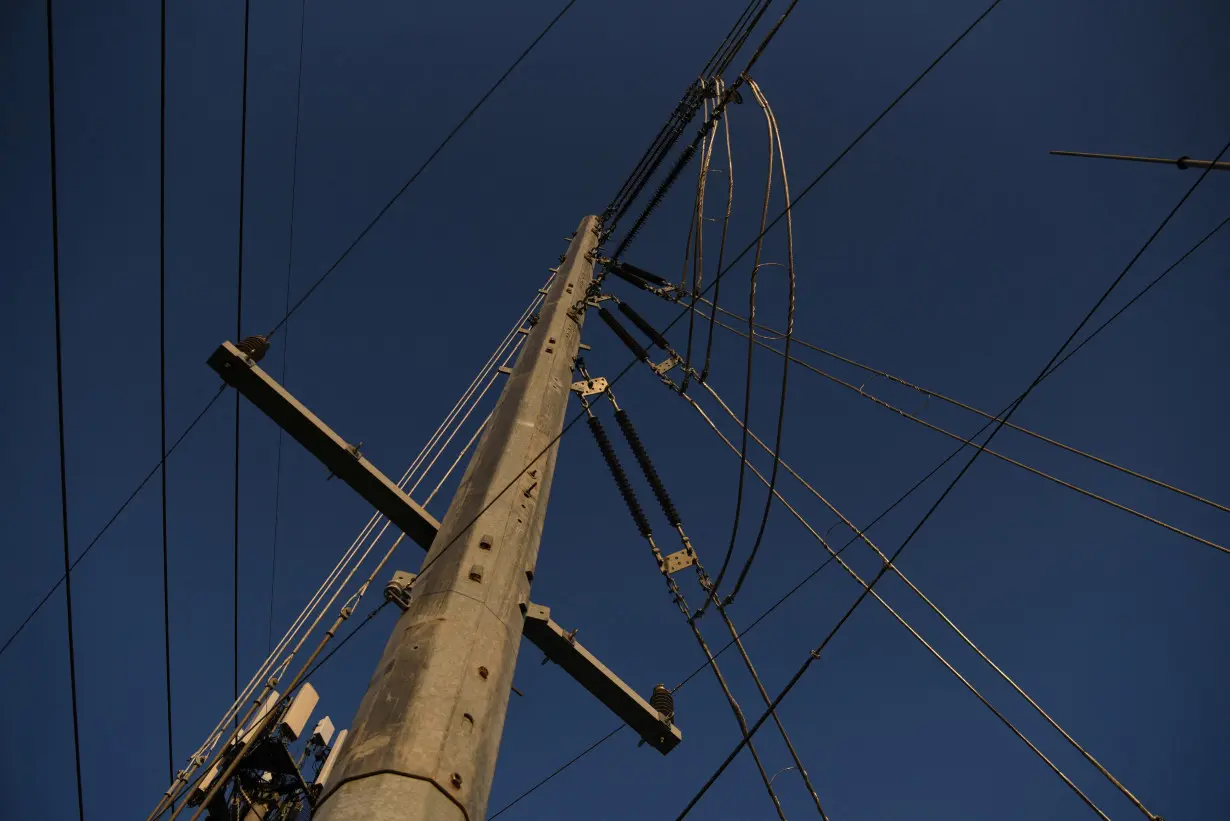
(686, 156)
(774, 135)
(55, 279)
(162, 362)
(747, 391)
(290, 265)
(558, 770)
(1003, 418)
(295, 307)
(448, 138)
(914, 632)
(686, 109)
(1143, 291)
(243, 172)
(140, 486)
(956, 402)
(1062, 483)
(935, 608)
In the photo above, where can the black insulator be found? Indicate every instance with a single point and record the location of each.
(642, 273)
(663, 701)
(651, 473)
(647, 329)
(618, 270)
(255, 347)
(621, 478)
(623, 334)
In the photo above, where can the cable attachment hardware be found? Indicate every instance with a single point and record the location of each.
(679, 560)
(590, 387)
(398, 589)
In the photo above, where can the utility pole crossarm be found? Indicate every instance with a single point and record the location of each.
(561, 647)
(241, 372)
(424, 742)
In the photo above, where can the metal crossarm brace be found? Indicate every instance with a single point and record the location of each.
(339, 456)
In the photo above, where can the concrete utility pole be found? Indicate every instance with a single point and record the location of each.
(426, 737)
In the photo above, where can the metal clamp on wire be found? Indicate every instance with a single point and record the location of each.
(398, 589)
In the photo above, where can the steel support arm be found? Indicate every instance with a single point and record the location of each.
(338, 455)
(562, 648)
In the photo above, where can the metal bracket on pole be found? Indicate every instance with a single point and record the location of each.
(679, 560)
(666, 366)
(561, 647)
(343, 460)
(398, 588)
(590, 387)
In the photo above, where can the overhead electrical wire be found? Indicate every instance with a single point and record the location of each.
(730, 199)
(59, 351)
(1003, 417)
(682, 115)
(290, 267)
(913, 418)
(735, 636)
(958, 403)
(243, 174)
(162, 366)
(413, 177)
(767, 612)
(685, 157)
(747, 396)
(861, 534)
(557, 771)
(907, 625)
(775, 136)
(140, 486)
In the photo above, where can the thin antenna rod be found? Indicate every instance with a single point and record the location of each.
(1183, 163)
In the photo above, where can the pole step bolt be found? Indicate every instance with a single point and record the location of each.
(476, 573)
(456, 780)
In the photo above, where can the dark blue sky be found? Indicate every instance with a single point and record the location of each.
(948, 248)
